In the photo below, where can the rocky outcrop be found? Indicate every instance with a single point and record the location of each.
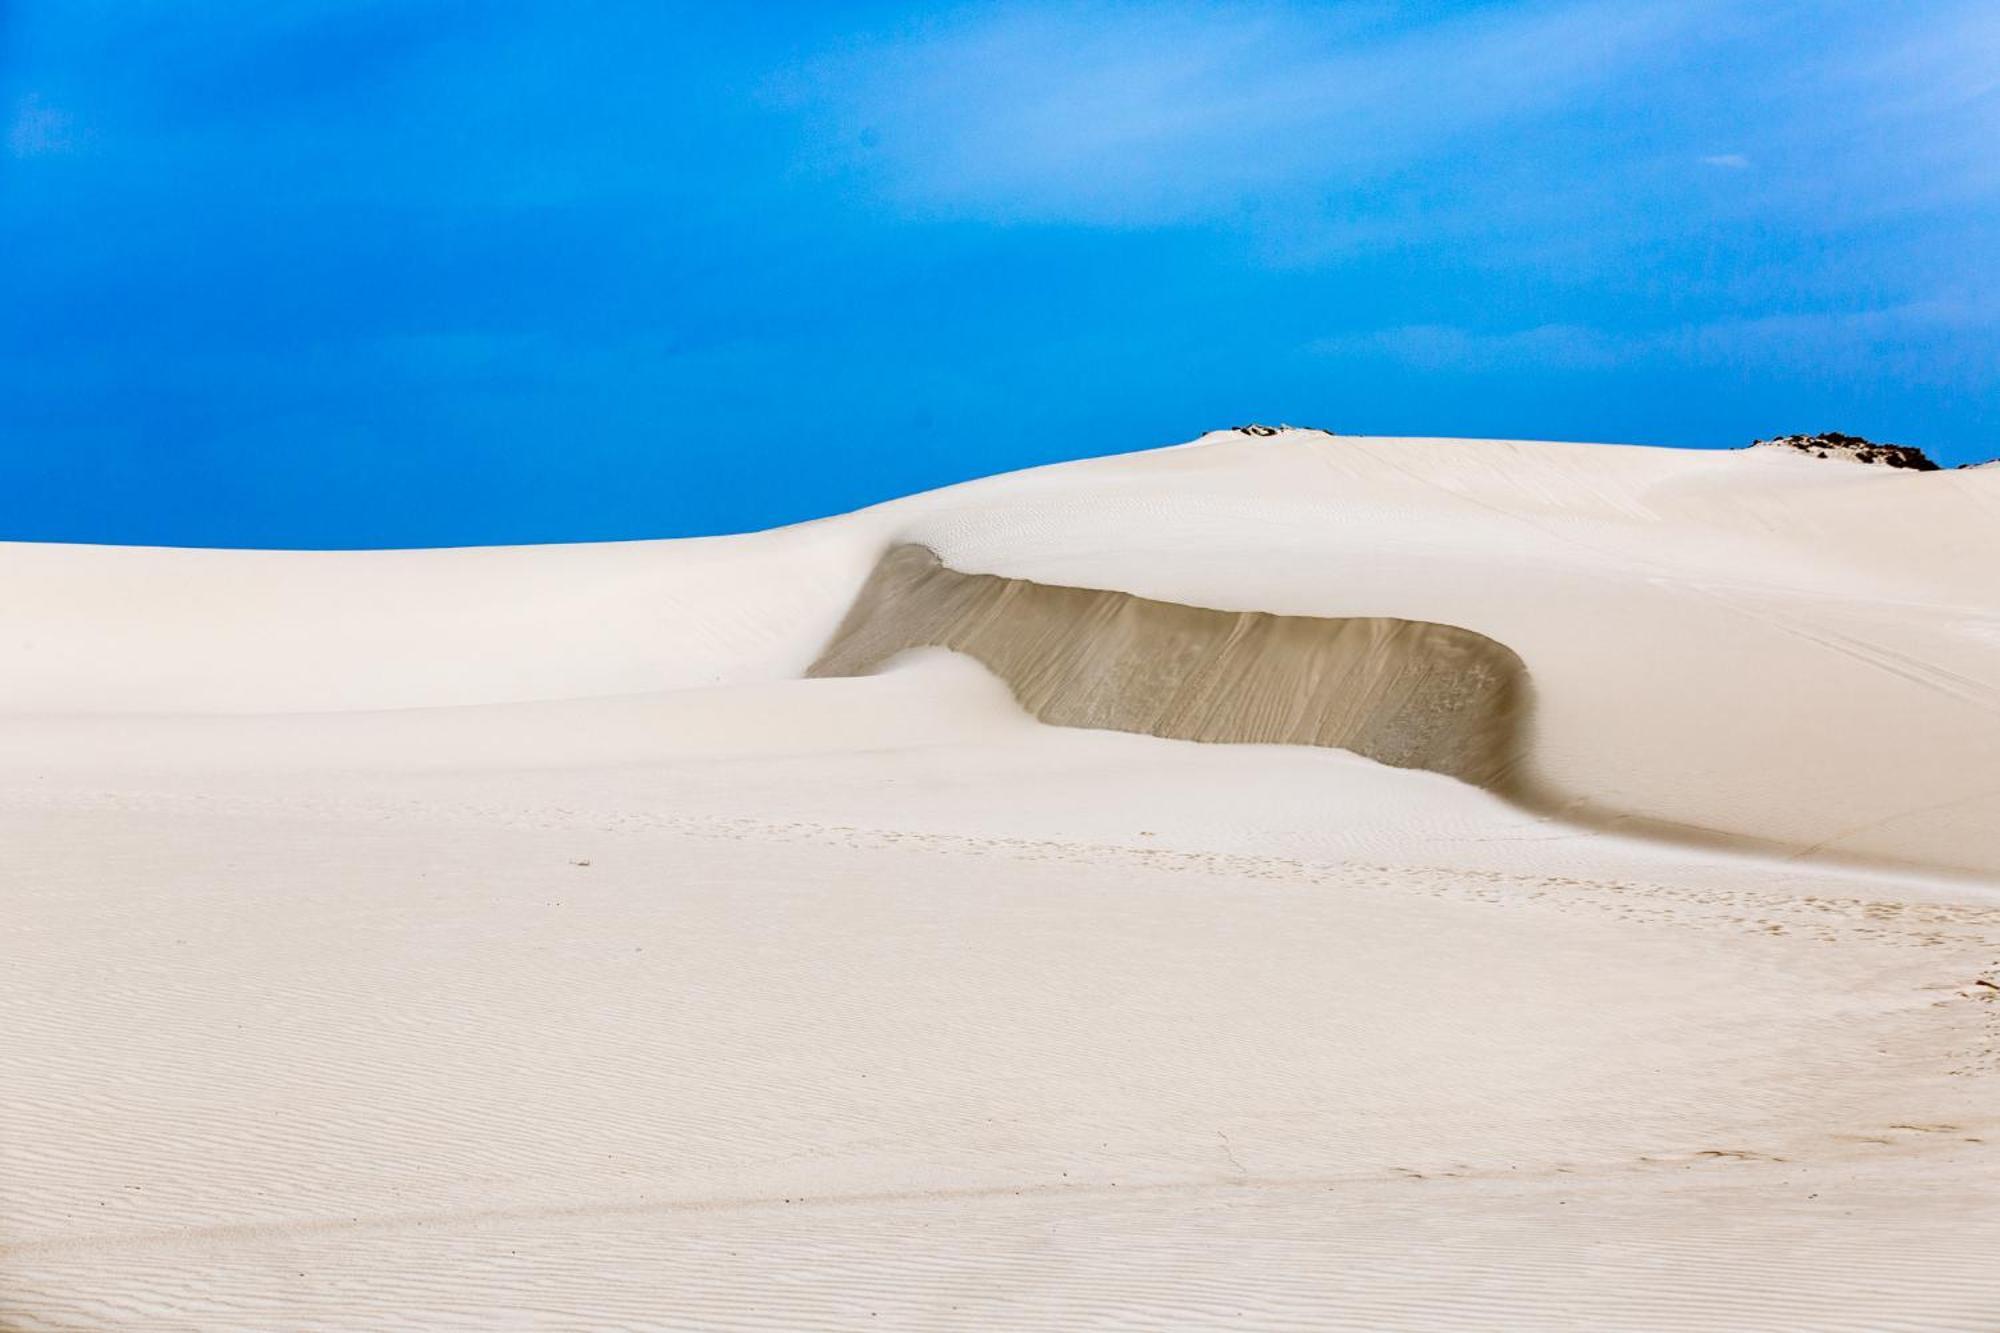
(1832, 444)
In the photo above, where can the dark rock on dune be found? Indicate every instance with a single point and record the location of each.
(1832, 444)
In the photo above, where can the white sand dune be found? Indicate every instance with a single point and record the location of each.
(519, 938)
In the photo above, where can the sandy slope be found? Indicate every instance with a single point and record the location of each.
(404, 940)
(1408, 693)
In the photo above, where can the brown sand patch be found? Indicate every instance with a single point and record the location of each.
(1409, 693)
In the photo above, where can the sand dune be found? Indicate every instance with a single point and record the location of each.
(1756, 648)
(711, 934)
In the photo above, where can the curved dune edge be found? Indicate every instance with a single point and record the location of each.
(1409, 693)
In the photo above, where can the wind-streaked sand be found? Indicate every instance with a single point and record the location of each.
(517, 938)
(1405, 692)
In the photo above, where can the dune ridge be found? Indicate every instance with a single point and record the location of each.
(1409, 693)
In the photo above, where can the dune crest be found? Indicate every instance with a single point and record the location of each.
(1409, 693)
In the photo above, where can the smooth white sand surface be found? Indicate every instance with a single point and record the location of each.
(513, 938)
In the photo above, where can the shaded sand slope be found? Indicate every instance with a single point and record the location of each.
(1404, 692)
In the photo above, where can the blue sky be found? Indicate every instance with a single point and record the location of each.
(415, 273)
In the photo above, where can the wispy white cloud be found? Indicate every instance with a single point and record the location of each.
(1144, 115)
(1588, 134)
(1879, 111)
(39, 129)
(1954, 339)
(1445, 347)
(1784, 189)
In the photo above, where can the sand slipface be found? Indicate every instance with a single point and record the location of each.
(1408, 693)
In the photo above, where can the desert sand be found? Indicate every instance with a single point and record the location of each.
(1272, 882)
